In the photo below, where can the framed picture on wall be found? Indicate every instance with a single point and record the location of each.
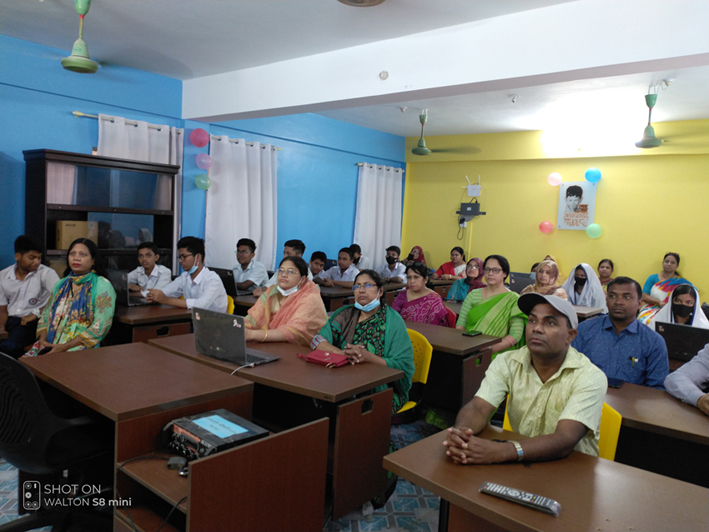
(577, 205)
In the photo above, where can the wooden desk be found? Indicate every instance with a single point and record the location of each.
(140, 389)
(140, 324)
(283, 397)
(594, 494)
(455, 306)
(335, 297)
(458, 364)
(441, 286)
(587, 312)
(661, 434)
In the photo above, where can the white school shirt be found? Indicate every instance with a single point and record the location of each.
(204, 291)
(254, 272)
(274, 278)
(335, 274)
(160, 277)
(31, 294)
(399, 271)
(364, 263)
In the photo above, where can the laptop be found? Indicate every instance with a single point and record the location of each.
(683, 341)
(520, 281)
(227, 277)
(221, 336)
(119, 280)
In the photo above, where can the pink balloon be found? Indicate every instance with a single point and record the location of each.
(546, 227)
(554, 179)
(203, 160)
(199, 137)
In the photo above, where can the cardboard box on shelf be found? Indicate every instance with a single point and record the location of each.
(70, 230)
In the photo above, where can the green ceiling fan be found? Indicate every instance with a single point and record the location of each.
(79, 60)
(422, 149)
(649, 139)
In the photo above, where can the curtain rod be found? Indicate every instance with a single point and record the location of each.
(236, 141)
(389, 168)
(128, 122)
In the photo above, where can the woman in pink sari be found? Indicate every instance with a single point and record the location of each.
(418, 303)
(289, 311)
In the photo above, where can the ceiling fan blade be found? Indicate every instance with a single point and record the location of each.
(460, 149)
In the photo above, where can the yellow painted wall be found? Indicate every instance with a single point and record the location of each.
(647, 203)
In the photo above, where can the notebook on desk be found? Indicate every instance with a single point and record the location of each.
(222, 336)
(119, 280)
(227, 277)
(520, 281)
(683, 341)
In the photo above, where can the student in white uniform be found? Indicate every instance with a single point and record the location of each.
(149, 274)
(344, 273)
(200, 287)
(317, 265)
(25, 288)
(394, 271)
(292, 248)
(360, 261)
(249, 273)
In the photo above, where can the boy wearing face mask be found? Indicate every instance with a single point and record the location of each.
(200, 287)
(394, 271)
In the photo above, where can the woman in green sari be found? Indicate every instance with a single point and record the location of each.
(493, 310)
(368, 332)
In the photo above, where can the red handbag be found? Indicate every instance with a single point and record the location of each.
(329, 360)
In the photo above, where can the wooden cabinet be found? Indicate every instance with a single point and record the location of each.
(123, 203)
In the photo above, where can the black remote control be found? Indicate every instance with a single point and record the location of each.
(537, 502)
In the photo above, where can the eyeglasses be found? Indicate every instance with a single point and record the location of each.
(472, 267)
(281, 271)
(183, 258)
(243, 251)
(366, 286)
(492, 270)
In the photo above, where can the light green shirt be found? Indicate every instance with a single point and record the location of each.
(574, 392)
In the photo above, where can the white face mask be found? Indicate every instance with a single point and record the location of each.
(286, 293)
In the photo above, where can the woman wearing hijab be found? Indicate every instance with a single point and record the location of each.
(684, 308)
(416, 255)
(584, 289)
(561, 277)
(545, 282)
(460, 289)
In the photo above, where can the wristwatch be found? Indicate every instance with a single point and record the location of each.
(518, 448)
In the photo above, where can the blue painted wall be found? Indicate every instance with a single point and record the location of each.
(37, 97)
(317, 176)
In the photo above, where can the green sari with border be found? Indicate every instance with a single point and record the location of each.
(493, 316)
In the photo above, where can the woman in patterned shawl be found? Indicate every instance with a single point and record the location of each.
(289, 311)
(80, 312)
(370, 332)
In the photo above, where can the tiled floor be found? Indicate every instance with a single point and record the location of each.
(410, 508)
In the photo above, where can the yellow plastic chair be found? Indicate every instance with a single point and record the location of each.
(609, 432)
(422, 361)
(230, 305)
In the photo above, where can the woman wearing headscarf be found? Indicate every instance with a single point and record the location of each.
(684, 308)
(545, 281)
(460, 289)
(416, 255)
(584, 289)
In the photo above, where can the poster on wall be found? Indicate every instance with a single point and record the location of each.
(577, 205)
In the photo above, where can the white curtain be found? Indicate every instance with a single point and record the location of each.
(241, 202)
(156, 144)
(378, 216)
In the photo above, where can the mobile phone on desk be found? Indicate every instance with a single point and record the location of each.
(471, 334)
(44, 351)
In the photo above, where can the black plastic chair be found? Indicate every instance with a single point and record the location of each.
(37, 441)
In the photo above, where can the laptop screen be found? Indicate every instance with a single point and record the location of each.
(683, 341)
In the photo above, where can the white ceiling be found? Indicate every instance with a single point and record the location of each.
(194, 39)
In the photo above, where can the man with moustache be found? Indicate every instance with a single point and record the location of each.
(554, 394)
(619, 344)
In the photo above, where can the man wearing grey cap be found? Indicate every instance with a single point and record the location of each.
(555, 394)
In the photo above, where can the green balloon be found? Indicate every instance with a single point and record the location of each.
(594, 230)
(202, 181)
